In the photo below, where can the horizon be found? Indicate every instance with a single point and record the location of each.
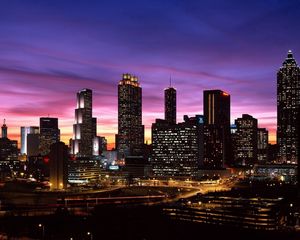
(51, 50)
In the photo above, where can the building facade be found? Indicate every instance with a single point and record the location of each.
(217, 139)
(288, 102)
(130, 137)
(58, 165)
(262, 145)
(24, 132)
(85, 127)
(170, 105)
(49, 134)
(245, 141)
(177, 149)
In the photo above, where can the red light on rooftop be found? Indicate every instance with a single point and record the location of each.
(46, 160)
(225, 94)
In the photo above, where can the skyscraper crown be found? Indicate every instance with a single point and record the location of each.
(290, 60)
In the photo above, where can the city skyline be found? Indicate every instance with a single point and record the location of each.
(43, 65)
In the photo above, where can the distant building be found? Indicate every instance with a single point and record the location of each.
(245, 141)
(170, 105)
(288, 102)
(262, 145)
(217, 141)
(130, 137)
(49, 134)
(177, 150)
(84, 169)
(8, 151)
(85, 127)
(33, 143)
(24, 132)
(4, 130)
(58, 165)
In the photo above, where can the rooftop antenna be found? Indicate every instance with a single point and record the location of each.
(4, 121)
(170, 82)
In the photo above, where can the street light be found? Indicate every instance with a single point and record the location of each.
(43, 229)
(90, 234)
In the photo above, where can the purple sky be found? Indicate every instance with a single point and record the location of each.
(51, 49)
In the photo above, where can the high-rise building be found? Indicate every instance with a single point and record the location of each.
(170, 105)
(85, 127)
(288, 102)
(245, 141)
(49, 134)
(177, 149)
(8, 151)
(4, 130)
(24, 132)
(130, 137)
(58, 165)
(33, 142)
(262, 145)
(217, 140)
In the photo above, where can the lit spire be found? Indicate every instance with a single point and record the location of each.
(290, 54)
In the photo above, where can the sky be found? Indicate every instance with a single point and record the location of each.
(49, 50)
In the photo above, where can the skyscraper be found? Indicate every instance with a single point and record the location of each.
(288, 102)
(170, 105)
(85, 126)
(245, 141)
(58, 165)
(130, 137)
(217, 141)
(49, 134)
(4, 130)
(24, 132)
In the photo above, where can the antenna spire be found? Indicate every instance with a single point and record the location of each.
(170, 83)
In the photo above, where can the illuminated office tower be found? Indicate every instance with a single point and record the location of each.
(217, 140)
(85, 126)
(262, 145)
(49, 134)
(288, 102)
(177, 149)
(170, 105)
(24, 132)
(130, 137)
(245, 141)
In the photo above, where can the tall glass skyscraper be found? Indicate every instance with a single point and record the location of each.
(130, 137)
(288, 102)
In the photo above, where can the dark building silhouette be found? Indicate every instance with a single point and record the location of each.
(49, 134)
(130, 137)
(245, 141)
(85, 127)
(170, 105)
(288, 102)
(177, 149)
(4, 130)
(217, 140)
(8, 151)
(33, 142)
(58, 165)
(262, 145)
